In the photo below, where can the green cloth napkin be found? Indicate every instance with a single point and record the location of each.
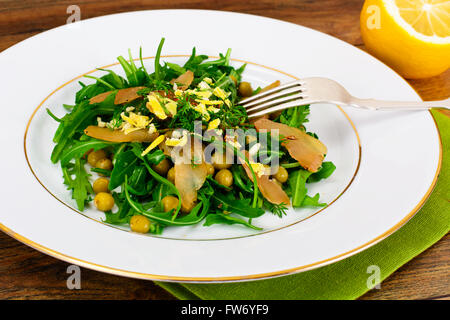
(347, 279)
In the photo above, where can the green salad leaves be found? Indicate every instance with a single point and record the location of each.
(134, 123)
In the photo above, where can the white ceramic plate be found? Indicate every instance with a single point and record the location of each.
(387, 162)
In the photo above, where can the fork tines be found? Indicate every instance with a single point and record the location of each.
(279, 98)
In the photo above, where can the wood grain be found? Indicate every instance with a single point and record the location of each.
(29, 274)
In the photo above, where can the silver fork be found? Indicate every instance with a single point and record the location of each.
(323, 90)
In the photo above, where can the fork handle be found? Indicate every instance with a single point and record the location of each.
(399, 105)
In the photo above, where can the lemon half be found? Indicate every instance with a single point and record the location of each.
(411, 36)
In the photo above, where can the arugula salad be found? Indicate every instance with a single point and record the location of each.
(175, 148)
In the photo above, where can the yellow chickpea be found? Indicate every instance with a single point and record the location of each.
(104, 201)
(94, 156)
(139, 223)
(105, 164)
(100, 185)
(281, 175)
(162, 168)
(169, 203)
(245, 89)
(224, 177)
(209, 169)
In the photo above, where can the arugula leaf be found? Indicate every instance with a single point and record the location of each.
(239, 206)
(81, 147)
(138, 177)
(194, 60)
(137, 150)
(131, 76)
(256, 91)
(123, 166)
(75, 122)
(155, 156)
(169, 218)
(125, 209)
(325, 171)
(104, 172)
(239, 177)
(53, 116)
(135, 76)
(160, 191)
(157, 57)
(114, 218)
(312, 201)
(80, 185)
(297, 183)
(123, 215)
(137, 184)
(295, 117)
(176, 68)
(114, 79)
(89, 91)
(142, 63)
(100, 80)
(68, 107)
(220, 218)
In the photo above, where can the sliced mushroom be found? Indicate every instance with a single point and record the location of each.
(184, 80)
(188, 180)
(270, 189)
(122, 96)
(106, 134)
(190, 172)
(307, 150)
(271, 86)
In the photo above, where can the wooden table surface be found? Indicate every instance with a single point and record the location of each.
(28, 274)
